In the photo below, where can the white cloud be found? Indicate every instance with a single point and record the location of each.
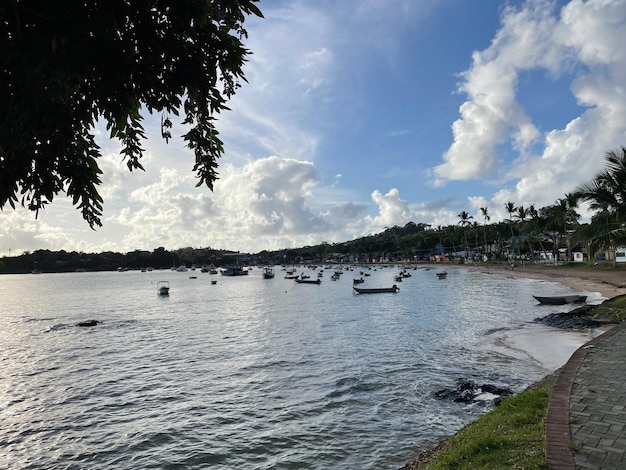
(534, 37)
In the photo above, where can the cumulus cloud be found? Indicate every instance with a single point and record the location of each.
(581, 41)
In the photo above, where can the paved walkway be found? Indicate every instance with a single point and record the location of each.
(586, 422)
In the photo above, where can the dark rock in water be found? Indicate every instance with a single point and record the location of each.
(577, 319)
(88, 323)
(467, 391)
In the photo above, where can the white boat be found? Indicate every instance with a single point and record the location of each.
(182, 268)
(163, 288)
(268, 273)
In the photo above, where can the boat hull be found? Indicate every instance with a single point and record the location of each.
(308, 281)
(376, 290)
(561, 299)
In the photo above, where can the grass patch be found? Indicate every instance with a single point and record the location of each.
(511, 436)
(612, 310)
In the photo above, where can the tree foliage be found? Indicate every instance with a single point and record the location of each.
(606, 195)
(66, 64)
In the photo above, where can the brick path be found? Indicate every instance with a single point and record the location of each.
(586, 421)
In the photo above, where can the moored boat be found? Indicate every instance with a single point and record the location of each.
(376, 290)
(442, 275)
(233, 271)
(268, 273)
(163, 288)
(560, 299)
(308, 281)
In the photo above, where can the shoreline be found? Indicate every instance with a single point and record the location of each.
(608, 281)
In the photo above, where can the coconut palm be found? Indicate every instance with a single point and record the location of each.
(537, 223)
(522, 214)
(485, 212)
(465, 222)
(510, 208)
(606, 194)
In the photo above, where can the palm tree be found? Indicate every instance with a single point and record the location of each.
(606, 194)
(464, 222)
(510, 208)
(485, 212)
(522, 215)
(537, 222)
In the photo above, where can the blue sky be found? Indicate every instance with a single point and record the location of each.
(364, 114)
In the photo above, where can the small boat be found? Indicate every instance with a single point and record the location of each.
(292, 276)
(181, 269)
(308, 281)
(234, 271)
(209, 269)
(163, 288)
(561, 299)
(376, 290)
(268, 273)
(442, 275)
(358, 281)
(213, 282)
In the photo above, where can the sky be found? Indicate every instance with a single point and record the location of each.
(360, 115)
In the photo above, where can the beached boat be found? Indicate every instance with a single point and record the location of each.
(376, 290)
(163, 288)
(308, 281)
(561, 299)
(268, 273)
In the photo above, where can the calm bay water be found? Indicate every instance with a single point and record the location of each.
(250, 373)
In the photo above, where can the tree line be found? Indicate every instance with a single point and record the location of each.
(526, 234)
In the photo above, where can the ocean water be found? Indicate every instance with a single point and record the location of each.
(253, 373)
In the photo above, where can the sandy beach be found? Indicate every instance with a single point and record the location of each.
(609, 281)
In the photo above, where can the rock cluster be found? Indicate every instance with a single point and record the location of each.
(467, 391)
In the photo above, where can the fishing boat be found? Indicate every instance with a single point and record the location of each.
(268, 273)
(233, 271)
(358, 280)
(308, 281)
(442, 275)
(376, 290)
(561, 299)
(163, 288)
(209, 269)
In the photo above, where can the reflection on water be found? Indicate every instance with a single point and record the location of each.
(251, 372)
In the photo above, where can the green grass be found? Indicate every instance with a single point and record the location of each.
(612, 310)
(510, 437)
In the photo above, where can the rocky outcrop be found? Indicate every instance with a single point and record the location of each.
(577, 319)
(467, 391)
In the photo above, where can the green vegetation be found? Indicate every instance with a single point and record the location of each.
(66, 64)
(511, 436)
(610, 311)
